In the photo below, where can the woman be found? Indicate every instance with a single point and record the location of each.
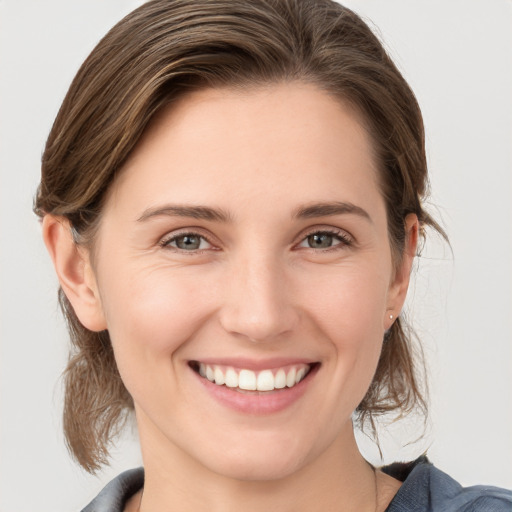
(232, 198)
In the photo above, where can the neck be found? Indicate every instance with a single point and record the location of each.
(338, 479)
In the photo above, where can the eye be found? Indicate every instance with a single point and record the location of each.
(187, 242)
(326, 240)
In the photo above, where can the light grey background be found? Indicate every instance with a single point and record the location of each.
(457, 56)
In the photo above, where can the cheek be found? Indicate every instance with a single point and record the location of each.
(348, 307)
(153, 313)
(349, 303)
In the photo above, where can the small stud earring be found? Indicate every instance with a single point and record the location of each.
(391, 317)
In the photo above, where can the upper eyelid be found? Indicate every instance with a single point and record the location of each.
(194, 230)
(165, 240)
(326, 229)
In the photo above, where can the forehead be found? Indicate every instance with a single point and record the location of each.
(286, 142)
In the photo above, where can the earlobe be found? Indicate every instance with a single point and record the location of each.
(74, 271)
(399, 286)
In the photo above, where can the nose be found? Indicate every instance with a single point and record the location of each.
(258, 301)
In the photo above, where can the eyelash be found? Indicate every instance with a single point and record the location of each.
(343, 239)
(165, 242)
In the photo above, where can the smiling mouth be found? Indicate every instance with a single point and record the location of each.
(244, 380)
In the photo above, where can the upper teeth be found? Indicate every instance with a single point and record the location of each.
(265, 380)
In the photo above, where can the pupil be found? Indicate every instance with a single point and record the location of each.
(188, 242)
(320, 241)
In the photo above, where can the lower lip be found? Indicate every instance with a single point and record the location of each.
(258, 403)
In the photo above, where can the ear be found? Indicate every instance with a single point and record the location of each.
(75, 273)
(400, 284)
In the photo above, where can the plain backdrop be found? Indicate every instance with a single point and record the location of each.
(457, 56)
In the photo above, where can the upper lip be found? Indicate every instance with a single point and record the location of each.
(254, 364)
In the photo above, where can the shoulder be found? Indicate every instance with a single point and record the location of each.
(428, 489)
(117, 492)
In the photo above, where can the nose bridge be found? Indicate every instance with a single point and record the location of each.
(258, 305)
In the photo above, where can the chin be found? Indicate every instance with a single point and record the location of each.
(263, 467)
(262, 459)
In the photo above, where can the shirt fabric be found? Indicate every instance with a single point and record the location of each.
(425, 489)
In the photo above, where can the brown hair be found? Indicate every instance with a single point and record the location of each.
(169, 47)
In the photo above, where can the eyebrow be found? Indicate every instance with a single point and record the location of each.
(329, 209)
(323, 209)
(194, 212)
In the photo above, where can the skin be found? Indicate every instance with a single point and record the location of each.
(254, 288)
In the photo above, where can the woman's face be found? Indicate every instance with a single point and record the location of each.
(246, 242)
